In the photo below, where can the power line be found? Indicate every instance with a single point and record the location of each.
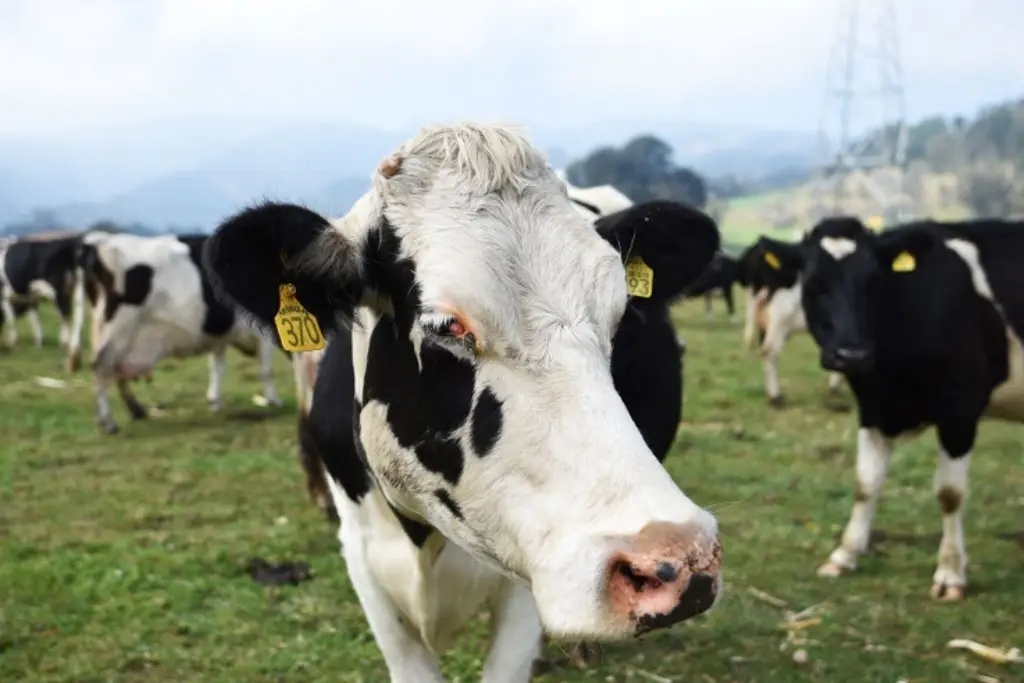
(863, 94)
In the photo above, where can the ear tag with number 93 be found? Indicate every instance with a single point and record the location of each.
(297, 327)
(639, 278)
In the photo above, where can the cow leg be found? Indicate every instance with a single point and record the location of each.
(135, 408)
(407, 658)
(730, 304)
(37, 329)
(515, 636)
(217, 363)
(267, 372)
(770, 362)
(103, 415)
(950, 576)
(750, 322)
(74, 343)
(835, 380)
(11, 333)
(874, 450)
(707, 303)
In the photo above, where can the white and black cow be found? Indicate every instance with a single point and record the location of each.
(925, 321)
(35, 268)
(150, 299)
(770, 271)
(491, 459)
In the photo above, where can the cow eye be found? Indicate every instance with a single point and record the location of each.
(449, 330)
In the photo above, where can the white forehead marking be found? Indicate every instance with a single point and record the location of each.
(838, 247)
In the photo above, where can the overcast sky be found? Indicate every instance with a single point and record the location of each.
(75, 64)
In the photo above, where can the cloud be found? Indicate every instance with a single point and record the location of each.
(70, 64)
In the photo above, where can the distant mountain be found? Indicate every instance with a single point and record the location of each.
(188, 175)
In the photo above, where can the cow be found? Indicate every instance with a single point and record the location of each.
(925, 321)
(42, 267)
(490, 459)
(150, 299)
(769, 269)
(720, 276)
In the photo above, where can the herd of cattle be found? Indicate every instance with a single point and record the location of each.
(485, 366)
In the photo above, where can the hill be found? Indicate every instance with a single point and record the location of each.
(956, 167)
(327, 165)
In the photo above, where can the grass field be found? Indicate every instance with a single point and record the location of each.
(123, 558)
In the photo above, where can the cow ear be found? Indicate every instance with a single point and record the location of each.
(676, 243)
(905, 253)
(253, 253)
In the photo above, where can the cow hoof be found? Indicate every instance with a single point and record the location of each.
(109, 427)
(215, 406)
(72, 364)
(138, 412)
(777, 402)
(831, 570)
(946, 593)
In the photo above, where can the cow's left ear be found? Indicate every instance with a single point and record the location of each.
(252, 254)
(676, 243)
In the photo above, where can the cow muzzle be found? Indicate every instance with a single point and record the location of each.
(850, 360)
(670, 573)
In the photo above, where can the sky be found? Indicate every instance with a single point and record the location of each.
(73, 65)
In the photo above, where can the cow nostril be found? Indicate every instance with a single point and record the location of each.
(636, 580)
(852, 354)
(666, 572)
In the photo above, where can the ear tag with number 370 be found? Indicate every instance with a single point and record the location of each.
(297, 327)
(639, 278)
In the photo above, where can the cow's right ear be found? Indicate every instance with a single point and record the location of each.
(253, 253)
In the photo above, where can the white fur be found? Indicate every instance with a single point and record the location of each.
(951, 567)
(487, 223)
(168, 323)
(838, 247)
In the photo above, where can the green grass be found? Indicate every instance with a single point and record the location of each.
(122, 558)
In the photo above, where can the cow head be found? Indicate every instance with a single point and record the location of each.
(840, 278)
(483, 308)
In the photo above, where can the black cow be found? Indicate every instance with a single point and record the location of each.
(721, 274)
(34, 268)
(925, 321)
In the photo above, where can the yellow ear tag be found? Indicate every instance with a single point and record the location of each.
(904, 262)
(639, 278)
(772, 260)
(297, 327)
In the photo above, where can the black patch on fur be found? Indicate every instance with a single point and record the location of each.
(138, 283)
(424, 407)
(442, 456)
(447, 501)
(333, 425)
(418, 532)
(487, 422)
(219, 318)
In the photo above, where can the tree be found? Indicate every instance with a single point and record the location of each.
(643, 170)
